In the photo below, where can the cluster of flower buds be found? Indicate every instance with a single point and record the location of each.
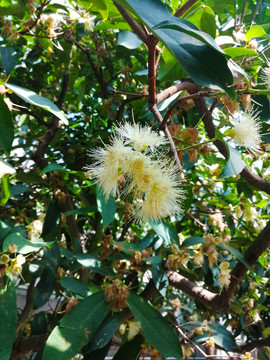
(9, 264)
(153, 182)
(116, 295)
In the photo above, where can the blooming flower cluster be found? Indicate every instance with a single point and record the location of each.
(224, 275)
(246, 131)
(12, 265)
(152, 181)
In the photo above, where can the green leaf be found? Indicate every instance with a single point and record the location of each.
(82, 211)
(234, 164)
(53, 167)
(105, 332)
(130, 349)
(6, 126)
(262, 203)
(8, 316)
(170, 69)
(76, 328)
(30, 177)
(160, 279)
(17, 10)
(99, 4)
(5, 189)
(51, 221)
(191, 241)
(25, 246)
(9, 58)
(128, 39)
(255, 32)
(235, 52)
(45, 286)
(107, 208)
(236, 253)
(76, 286)
(34, 99)
(164, 231)
(196, 51)
(156, 329)
(222, 337)
(126, 247)
(204, 19)
(93, 263)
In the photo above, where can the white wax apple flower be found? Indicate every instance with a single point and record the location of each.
(162, 196)
(246, 131)
(140, 137)
(265, 76)
(108, 166)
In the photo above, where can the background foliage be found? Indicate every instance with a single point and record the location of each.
(70, 72)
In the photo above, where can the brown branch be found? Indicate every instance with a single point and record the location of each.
(207, 118)
(256, 344)
(173, 149)
(165, 94)
(132, 23)
(42, 6)
(179, 12)
(243, 12)
(28, 305)
(27, 344)
(152, 42)
(259, 245)
(87, 52)
(256, 12)
(197, 292)
(178, 102)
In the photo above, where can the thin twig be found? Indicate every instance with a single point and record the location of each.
(179, 12)
(243, 12)
(173, 149)
(255, 12)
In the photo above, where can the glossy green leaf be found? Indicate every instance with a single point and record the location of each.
(5, 189)
(24, 245)
(170, 69)
(105, 332)
(8, 316)
(236, 253)
(156, 329)
(51, 221)
(191, 241)
(235, 52)
(107, 208)
(45, 286)
(15, 9)
(222, 337)
(126, 247)
(9, 58)
(76, 286)
(76, 328)
(82, 211)
(99, 4)
(130, 349)
(128, 39)
(6, 126)
(160, 279)
(196, 51)
(165, 232)
(204, 19)
(234, 165)
(93, 263)
(34, 99)
(255, 32)
(53, 167)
